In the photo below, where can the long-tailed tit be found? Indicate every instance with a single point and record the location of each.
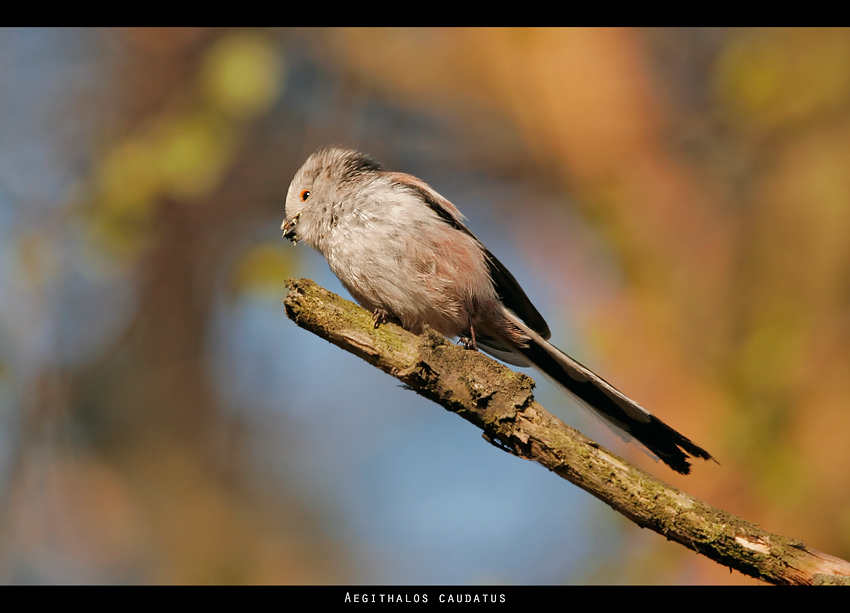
(403, 252)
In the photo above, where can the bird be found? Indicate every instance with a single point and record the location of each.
(404, 253)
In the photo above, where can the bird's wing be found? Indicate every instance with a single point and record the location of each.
(505, 284)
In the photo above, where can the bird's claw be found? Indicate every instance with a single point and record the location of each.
(379, 316)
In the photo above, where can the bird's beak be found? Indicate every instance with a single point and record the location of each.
(288, 227)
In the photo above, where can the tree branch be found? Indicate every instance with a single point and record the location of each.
(500, 402)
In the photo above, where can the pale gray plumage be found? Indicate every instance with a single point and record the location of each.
(403, 252)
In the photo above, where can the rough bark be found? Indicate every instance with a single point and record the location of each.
(500, 402)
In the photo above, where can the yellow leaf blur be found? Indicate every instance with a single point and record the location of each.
(243, 74)
(262, 270)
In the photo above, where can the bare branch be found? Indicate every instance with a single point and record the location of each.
(500, 402)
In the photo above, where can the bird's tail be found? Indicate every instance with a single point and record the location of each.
(610, 404)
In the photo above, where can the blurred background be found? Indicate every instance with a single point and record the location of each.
(675, 201)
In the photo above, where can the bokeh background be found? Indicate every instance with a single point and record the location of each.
(676, 202)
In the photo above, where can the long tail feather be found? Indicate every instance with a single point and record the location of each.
(671, 447)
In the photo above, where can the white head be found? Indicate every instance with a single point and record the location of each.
(318, 187)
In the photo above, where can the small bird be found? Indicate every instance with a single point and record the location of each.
(404, 253)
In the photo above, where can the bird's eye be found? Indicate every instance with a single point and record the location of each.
(305, 194)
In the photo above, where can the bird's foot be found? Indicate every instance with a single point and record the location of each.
(379, 316)
(468, 342)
